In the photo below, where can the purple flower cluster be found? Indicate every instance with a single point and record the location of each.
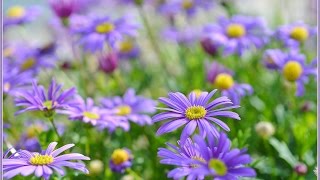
(42, 164)
(198, 160)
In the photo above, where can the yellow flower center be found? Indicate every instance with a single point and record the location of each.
(124, 110)
(224, 81)
(27, 64)
(197, 92)
(126, 46)
(6, 86)
(48, 104)
(104, 28)
(34, 130)
(218, 166)
(39, 159)
(119, 156)
(299, 33)
(187, 4)
(16, 12)
(236, 30)
(195, 112)
(91, 115)
(7, 52)
(292, 70)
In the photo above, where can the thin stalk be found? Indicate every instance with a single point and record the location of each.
(55, 128)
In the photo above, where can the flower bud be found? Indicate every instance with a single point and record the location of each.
(108, 63)
(63, 8)
(264, 129)
(95, 167)
(209, 47)
(301, 169)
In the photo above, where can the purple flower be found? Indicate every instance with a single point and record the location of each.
(190, 7)
(195, 111)
(121, 159)
(87, 112)
(237, 34)
(294, 34)
(108, 62)
(128, 49)
(198, 159)
(222, 78)
(13, 78)
(17, 15)
(100, 31)
(37, 100)
(63, 8)
(272, 57)
(130, 107)
(187, 36)
(294, 68)
(43, 164)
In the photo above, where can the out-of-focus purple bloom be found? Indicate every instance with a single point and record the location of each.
(108, 62)
(272, 57)
(37, 100)
(130, 107)
(17, 15)
(128, 49)
(195, 111)
(121, 159)
(198, 159)
(188, 36)
(87, 112)
(237, 34)
(63, 8)
(13, 78)
(99, 32)
(294, 68)
(222, 78)
(294, 34)
(43, 164)
(209, 46)
(190, 7)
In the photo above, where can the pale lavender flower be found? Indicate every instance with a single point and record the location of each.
(18, 15)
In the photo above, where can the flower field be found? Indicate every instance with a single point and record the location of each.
(159, 89)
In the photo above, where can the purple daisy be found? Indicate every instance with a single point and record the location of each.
(36, 100)
(222, 78)
(130, 107)
(101, 31)
(294, 68)
(272, 57)
(190, 7)
(194, 111)
(237, 34)
(198, 159)
(17, 15)
(127, 49)
(43, 164)
(87, 112)
(294, 34)
(121, 159)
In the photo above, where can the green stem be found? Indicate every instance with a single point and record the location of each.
(55, 128)
(134, 174)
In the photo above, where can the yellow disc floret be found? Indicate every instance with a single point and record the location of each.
(28, 63)
(195, 112)
(91, 115)
(104, 28)
(126, 46)
(292, 70)
(224, 81)
(187, 4)
(236, 30)
(16, 12)
(119, 156)
(299, 33)
(40, 160)
(218, 166)
(124, 110)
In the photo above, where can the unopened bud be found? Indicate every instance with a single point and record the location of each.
(264, 129)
